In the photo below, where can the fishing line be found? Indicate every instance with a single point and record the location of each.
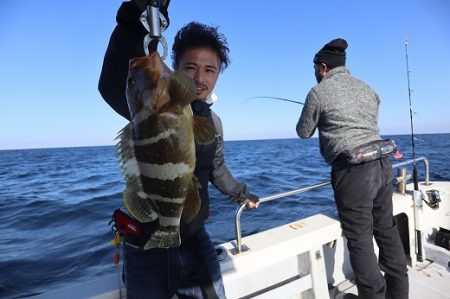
(275, 98)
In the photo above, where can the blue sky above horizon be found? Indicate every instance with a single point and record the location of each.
(51, 55)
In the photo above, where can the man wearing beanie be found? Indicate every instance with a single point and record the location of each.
(345, 111)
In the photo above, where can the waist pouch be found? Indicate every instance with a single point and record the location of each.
(123, 223)
(443, 238)
(369, 152)
(134, 232)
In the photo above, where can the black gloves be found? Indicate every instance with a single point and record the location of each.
(243, 198)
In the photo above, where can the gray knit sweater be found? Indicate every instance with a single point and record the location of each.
(344, 109)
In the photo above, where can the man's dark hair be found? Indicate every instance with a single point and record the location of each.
(197, 35)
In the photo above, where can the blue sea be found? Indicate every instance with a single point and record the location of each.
(55, 204)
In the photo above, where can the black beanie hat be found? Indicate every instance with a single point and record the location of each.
(332, 54)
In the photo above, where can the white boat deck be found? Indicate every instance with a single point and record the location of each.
(427, 280)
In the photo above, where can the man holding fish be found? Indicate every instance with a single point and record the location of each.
(166, 172)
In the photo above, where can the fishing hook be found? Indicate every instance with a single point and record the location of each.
(148, 39)
(155, 23)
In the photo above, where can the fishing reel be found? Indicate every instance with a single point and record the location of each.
(434, 198)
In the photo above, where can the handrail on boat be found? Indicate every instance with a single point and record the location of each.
(426, 166)
(239, 211)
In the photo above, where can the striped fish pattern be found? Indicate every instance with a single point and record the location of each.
(157, 150)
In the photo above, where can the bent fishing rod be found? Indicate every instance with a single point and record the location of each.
(276, 98)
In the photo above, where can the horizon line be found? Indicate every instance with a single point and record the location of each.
(230, 140)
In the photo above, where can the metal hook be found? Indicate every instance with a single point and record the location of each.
(155, 23)
(148, 39)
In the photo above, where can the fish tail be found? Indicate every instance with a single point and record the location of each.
(164, 239)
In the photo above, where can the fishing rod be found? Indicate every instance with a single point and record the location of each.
(408, 71)
(417, 195)
(276, 98)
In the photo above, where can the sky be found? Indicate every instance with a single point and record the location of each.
(51, 53)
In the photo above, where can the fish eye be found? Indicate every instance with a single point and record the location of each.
(130, 82)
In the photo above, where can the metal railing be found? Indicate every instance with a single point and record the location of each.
(239, 247)
(426, 166)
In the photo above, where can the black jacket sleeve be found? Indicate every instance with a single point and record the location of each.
(126, 42)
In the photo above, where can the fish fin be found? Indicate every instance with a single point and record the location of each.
(181, 89)
(164, 239)
(204, 131)
(124, 150)
(193, 202)
(126, 132)
(140, 208)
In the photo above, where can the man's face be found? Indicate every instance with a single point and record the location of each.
(203, 66)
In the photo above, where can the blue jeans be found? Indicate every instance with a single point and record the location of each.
(161, 273)
(363, 195)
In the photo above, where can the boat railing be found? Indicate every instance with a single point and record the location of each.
(240, 247)
(425, 164)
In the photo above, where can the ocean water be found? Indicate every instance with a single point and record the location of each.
(55, 204)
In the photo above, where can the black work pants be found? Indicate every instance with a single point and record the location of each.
(363, 195)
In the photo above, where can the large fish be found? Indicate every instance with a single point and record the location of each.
(157, 150)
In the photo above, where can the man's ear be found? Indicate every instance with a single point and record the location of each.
(324, 69)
